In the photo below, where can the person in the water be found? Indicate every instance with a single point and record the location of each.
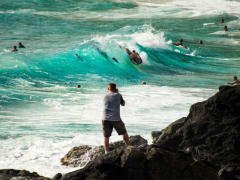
(20, 45)
(222, 20)
(115, 59)
(225, 28)
(179, 43)
(134, 55)
(77, 56)
(235, 81)
(200, 42)
(111, 116)
(14, 49)
(78, 86)
(135, 52)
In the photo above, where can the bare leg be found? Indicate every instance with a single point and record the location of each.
(126, 139)
(106, 144)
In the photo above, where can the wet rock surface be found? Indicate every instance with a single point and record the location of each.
(79, 156)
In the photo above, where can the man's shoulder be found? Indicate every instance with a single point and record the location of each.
(112, 94)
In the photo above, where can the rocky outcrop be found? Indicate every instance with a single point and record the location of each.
(211, 132)
(79, 156)
(152, 163)
(12, 174)
(155, 135)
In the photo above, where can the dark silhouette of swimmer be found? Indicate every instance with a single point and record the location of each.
(200, 42)
(78, 86)
(104, 54)
(225, 28)
(20, 45)
(14, 49)
(77, 56)
(144, 83)
(222, 20)
(179, 43)
(115, 59)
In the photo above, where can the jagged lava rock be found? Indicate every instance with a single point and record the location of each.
(79, 156)
(210, 132)
(151, 162)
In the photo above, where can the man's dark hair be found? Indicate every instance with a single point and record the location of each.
(235, 77)
(112, 86)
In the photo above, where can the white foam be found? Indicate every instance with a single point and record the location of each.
(207, 24)
(148, 39)
(145, 36)
(39, 138)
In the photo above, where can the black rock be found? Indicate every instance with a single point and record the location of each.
(210, 132)
(149, 163)
(81, 155)
(57, 176)
(13, 174)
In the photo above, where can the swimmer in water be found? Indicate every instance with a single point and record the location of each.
(222, 20)
(20, 45)
(200, 42)
(179, 43)
(225, 28)
(77, 56)
(14, 49)
(135, 52)
(115, 59)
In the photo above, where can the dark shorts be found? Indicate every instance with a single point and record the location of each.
(117, 125)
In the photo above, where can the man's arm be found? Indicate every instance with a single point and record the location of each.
(122, 101)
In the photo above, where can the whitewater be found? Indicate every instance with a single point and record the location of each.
(42, 112)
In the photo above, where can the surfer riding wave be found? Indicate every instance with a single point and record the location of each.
(134, 57)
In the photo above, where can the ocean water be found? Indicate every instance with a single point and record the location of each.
(43, 114)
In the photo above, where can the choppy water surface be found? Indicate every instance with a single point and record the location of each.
(43, 114)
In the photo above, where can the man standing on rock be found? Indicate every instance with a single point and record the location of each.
(111, 116)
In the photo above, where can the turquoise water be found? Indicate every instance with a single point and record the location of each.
(43, 114)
